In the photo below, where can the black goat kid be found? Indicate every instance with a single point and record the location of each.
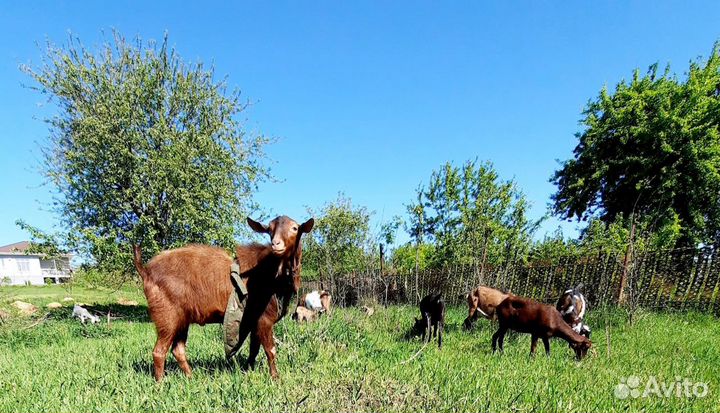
(432, 316)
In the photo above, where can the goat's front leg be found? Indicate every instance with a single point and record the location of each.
(533, 344)
(546, 343)
(254, 349)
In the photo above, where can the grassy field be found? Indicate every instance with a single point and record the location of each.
(345, 362)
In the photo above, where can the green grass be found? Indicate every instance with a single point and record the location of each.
(345, 362)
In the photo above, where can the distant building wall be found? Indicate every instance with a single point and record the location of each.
(20, 270)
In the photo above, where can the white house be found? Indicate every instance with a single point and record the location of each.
(18, 267)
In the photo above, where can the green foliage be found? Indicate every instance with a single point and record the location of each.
(471, 216)
(650, 149)
(609, 238)
(599, 237)
(144, 148)
(388, 230)
(404, 256)
(41, 242)
(340, 241)
(553, 248)
(92, 277)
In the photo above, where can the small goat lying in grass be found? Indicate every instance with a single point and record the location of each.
(304, 314)
(538, 320)
(312, 305)
(432, 315)
(573, 307)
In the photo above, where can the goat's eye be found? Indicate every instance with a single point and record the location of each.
(294, 228)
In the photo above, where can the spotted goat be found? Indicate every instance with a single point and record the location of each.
(573, 307)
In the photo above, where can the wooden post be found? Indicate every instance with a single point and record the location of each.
(419, 241)
(622, 296)
(381, 260)
(484, 257)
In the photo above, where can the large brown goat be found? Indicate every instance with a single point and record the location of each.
(191, 285)
(539, 320)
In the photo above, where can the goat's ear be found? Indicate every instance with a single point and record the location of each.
(258, 227)
(307, 226)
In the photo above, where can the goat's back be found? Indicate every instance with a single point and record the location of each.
(191, 282)
(434, 305)
(527, 316)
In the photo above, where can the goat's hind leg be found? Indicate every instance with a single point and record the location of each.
(162, 345)
(178, 350)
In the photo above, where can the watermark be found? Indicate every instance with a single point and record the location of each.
(635, 387)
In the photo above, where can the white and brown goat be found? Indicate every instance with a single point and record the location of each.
(573, 308)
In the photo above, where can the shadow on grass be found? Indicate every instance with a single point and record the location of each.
(453, 328)
(208, 365)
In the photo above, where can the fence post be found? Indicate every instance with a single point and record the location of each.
(626, 263)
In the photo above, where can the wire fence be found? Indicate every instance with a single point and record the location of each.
(675, 279)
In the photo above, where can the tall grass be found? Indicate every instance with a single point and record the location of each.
(350, 362)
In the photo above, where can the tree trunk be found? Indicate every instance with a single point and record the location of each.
(627, 262)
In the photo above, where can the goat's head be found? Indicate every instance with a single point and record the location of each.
(325, 299)
(419, 326)
(581, 347)
(566, 303)
(284, 234)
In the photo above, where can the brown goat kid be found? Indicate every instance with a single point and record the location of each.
(540, 321)
(482, 301)
(191, 285)
(303, 314)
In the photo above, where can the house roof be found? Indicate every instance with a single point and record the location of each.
(21, 246)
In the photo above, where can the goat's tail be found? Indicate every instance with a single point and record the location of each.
(137, 260)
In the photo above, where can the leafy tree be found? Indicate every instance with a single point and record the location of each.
(340, 242)
(144, 148)
(48, 245)
(650, 152)
(404, 257)
(471, 216)
(553, 248)
(388, 230)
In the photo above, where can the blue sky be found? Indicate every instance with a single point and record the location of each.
(368, 98)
